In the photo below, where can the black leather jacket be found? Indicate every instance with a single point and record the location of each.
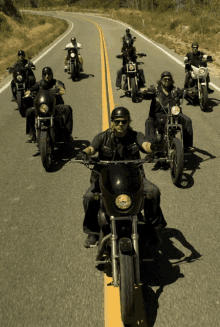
(43, 85)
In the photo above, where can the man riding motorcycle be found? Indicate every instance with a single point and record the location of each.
(73, 44)
(22, 62)
(119, 142)
(127, 35)
(193, 58)
(129, 50)
(47, 83)
(164, 94)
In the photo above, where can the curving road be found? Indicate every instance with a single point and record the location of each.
(47, 278)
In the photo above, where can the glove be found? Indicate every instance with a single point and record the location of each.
(82, 155)
(157, 146)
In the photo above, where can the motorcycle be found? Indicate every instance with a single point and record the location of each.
(131, 77)
(122, 231)
(197, 87)
(20, 76)
(49, 128)
(169, 134)
(73, 66)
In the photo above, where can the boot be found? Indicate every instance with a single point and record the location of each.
(31, 138)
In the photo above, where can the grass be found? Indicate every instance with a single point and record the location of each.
(32, 34)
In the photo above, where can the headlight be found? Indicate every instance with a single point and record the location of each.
(175, 110)
(19, 78)
(72, 55)
(201, 71)
(131, 67)
(123, 201)
(44, 108)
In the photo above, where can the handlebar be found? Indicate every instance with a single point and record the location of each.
(95, 161)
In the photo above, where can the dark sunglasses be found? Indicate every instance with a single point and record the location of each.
(167, 79)
(123, 121)
(47, 74)
(195, 47)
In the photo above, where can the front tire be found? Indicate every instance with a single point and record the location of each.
(126, 288)
(45, 146)
(133, 90)
(204, 99)
(73, 71)
(177, 162)
(21, 107)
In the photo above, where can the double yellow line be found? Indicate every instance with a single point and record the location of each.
(107, 94)
(111, 294)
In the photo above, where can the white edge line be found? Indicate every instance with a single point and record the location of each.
(6, 85)
(148, 40)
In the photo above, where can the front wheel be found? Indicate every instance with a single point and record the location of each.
(133, 90)
(204, 97)
(20, 101)
(45, 146)
(177, 161)
(73, 72)
(126, 287)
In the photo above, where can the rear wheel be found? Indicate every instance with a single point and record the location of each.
(133, 90)
(21, 107)
(204, 98)
(45, 146)
(177, 161)
(126, 287)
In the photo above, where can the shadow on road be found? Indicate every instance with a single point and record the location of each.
(83, 76)
(66, 152)
(161, 273)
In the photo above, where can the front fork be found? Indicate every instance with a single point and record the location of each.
(40, 125)
(115, 256)
(200, 87)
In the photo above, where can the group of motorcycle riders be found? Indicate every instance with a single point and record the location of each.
(120, 141)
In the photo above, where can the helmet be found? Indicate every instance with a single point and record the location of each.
(127, 30)
(46, 70)
(73, 39)
(166, 73)
(195, 44)
(120, 112)
(21, 53)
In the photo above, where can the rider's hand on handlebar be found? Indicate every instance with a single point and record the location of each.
(82, 155)
(157, 146)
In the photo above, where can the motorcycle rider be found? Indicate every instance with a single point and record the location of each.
(194, 57)
(129, 50)
(119, 142)
(49, 83)
(164, 94)
(73, 44)
(22, 62)
(127, 35)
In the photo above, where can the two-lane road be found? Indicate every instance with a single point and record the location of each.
(47, 277)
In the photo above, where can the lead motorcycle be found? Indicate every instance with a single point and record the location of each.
(123, 228)
(197, 87)
(131, 84)
(20, 76)
(49, 127)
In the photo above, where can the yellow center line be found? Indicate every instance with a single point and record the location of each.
(111, 294)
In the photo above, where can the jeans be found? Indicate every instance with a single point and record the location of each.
(67, 116)
(122, 71)
(152, 211)
(150, 130)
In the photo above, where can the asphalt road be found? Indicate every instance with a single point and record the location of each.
(47, 277)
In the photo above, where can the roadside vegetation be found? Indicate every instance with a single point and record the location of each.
(31, 33)
(174, 23)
